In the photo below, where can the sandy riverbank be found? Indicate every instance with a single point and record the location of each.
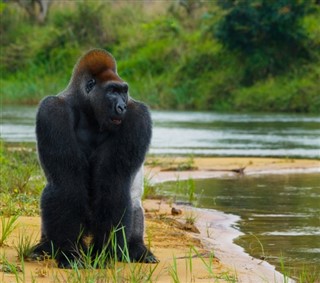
(215, 226)
(163, 169)
(171, 243)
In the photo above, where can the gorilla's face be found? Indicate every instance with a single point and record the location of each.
(109, 102)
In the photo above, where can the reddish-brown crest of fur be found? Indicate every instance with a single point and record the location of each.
(99, 64)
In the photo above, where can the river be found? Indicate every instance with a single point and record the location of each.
(203, 133)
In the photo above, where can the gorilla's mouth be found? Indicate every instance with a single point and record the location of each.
(116, 121)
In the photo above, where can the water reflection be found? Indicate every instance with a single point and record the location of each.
(279, 212)
(203, 133)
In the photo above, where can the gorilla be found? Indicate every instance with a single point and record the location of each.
(92, 139)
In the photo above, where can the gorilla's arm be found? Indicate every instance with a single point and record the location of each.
(117, 162)
(59, 152)
(64, 199)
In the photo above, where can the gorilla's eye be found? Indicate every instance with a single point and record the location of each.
(90, 84)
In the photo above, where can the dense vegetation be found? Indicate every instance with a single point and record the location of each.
(227, 55)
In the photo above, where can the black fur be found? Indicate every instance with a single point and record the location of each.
(90, 154)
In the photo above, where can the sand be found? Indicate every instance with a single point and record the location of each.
(170, 239)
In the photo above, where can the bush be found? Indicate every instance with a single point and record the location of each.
(13, 52)
(83, 25)
(268, 34)
(285, 93)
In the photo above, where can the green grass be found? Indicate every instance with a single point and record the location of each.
(25, 245)
(21, 180)
(7, 227)
(16, 269)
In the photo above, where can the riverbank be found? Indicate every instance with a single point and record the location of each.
(216, 236)
(183, 254)
(161, 169)
(215, 226)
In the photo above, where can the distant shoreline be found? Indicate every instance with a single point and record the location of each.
(162, 169)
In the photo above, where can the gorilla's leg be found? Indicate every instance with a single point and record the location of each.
(137, 249)
(62, 227)
(111, 222)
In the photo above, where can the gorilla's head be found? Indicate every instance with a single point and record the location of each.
(95, 78)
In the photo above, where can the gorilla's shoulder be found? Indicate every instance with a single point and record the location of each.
(52, 101)
(53, 107)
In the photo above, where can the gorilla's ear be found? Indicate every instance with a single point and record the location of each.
(90, 84)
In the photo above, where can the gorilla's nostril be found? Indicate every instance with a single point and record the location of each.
(121, 108)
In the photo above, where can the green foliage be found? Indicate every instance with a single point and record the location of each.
(12, 29)
(83, 24)
(295, 93)
(268, 34)
(225, 58)
(259, 24)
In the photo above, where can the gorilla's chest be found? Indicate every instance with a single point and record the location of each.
(89, 137)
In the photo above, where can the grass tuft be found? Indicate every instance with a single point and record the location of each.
(25, 246)
(7, 227)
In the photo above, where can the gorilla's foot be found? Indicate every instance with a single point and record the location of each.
(35, 256)
(66, 263)
(69, 260)
(150, 258)
(41, 251)
(140, 253)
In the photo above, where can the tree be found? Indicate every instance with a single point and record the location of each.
(267, 33)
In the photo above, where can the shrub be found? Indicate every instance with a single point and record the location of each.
(268, 34)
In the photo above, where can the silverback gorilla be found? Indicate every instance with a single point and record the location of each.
(92, 139)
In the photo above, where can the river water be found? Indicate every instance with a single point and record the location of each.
(280, 214)
(202, 133)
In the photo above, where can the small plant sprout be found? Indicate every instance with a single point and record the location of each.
(7, 227)
(189, 266)
(191, 217)
(173, 271)
(25, 245)
(284, 271)
(263, 255)
(12, 268)
(207, 263)
(149, 188)
(191, 190)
